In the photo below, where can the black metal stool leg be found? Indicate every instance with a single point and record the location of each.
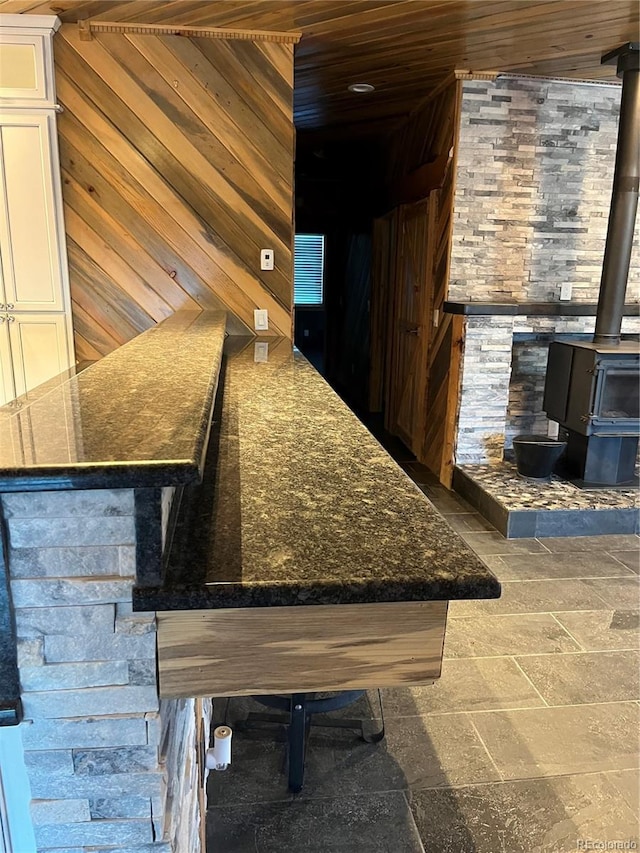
(297, 718)
(297, 742)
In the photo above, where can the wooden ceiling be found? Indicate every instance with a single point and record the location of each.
(404, 47)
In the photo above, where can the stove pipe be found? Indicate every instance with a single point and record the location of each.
(624, 199)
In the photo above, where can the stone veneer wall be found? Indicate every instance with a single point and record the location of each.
(533, 189)
(534, 179)
(110, 767)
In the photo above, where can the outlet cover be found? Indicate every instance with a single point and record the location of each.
(266, 259)
(565, 291)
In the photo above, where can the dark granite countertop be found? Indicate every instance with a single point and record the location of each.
(139, 417)
(301, 505)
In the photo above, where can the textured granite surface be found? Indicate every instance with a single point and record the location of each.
(138, 417)
(301, 505)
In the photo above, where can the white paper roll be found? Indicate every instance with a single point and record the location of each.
(219, 757)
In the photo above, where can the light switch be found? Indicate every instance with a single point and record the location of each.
(266, 259)
(261, 320)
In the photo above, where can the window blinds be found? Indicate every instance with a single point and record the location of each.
(308, 269)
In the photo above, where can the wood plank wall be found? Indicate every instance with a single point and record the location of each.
(177, 168)
(424, 150)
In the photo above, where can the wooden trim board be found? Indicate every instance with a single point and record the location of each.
(87, 28)
(265, 650)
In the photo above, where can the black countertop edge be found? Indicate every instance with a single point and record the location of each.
(228, 596)
(113, 475)
(549, 309)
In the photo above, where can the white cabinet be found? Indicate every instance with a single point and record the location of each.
(30, 242)
(36, 335)
(26, 60)
(38, 344)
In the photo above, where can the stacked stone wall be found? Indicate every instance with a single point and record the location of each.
(97, 744)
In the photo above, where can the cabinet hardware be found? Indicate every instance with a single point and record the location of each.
(11, 319)
(9, 306)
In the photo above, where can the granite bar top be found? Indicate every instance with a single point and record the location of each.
(139, 417)
(549, 309)
(301, 505)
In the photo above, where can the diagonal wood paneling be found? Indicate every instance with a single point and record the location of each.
(177, 159)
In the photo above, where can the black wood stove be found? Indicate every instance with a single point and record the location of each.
(592, 389)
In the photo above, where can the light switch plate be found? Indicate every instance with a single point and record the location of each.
(266, 259)
(261, 319)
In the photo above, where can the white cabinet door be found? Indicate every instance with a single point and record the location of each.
(7, 388)
(38, 347)
(31, 243)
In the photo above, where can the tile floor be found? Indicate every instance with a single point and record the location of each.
(529, 743)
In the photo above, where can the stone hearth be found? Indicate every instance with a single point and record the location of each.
(523, 508)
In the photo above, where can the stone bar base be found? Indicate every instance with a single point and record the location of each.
(109, 767)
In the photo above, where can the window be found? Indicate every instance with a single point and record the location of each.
(308, 269)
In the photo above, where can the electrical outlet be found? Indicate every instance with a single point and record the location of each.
(266, 259)
(553, 427)
(565, 291)
(261, 319)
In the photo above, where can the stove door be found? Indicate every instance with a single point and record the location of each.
(616, 405)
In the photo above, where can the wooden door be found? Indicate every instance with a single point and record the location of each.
(405, 415)
(382, 273)
(38, 348)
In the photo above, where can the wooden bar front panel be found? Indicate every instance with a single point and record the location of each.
(266, 650)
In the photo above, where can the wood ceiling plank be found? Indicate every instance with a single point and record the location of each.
(144, 12)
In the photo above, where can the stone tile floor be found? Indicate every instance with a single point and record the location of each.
(529, 743)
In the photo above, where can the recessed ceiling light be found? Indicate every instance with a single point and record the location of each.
(361, 88)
